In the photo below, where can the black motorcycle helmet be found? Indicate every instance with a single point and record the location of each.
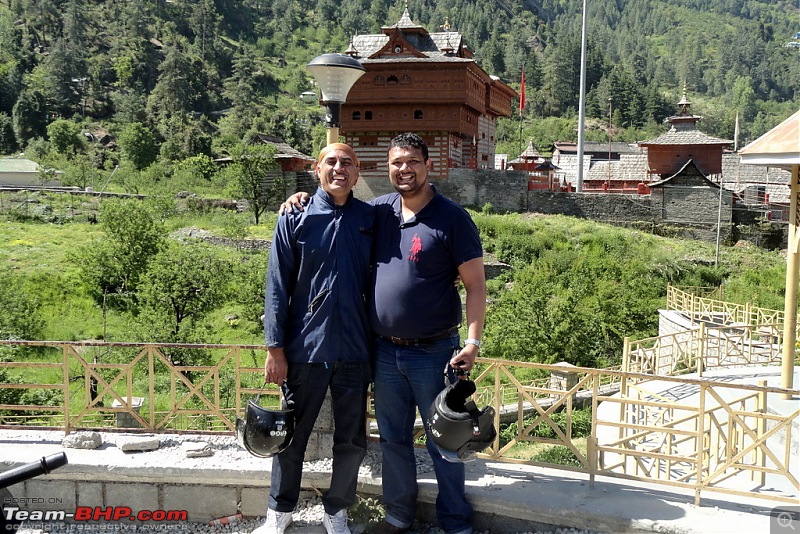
(265, 432)
(458, 428)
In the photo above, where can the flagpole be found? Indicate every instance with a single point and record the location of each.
(582, 102)
(521, 106)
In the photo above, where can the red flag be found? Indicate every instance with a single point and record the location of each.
(522, 91)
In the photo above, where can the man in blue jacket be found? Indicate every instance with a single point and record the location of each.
(318, 336)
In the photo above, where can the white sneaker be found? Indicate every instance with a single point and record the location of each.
(276, 523)
(336, 524)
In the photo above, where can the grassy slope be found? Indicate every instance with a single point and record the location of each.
(40, 252)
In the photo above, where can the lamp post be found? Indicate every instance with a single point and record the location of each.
(335, 75)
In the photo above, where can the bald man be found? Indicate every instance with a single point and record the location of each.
(318, 336)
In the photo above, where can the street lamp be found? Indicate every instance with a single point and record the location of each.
(335, 74)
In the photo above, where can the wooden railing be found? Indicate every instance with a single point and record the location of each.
(704, 309)
(95, 385)
(690, 432)
(704, 347)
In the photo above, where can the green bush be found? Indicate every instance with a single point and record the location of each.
(581, 422)
(558, 454)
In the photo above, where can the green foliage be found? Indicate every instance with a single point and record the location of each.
(581, 421)
(65, 137)
(138, 145)
(115, 264)
(575, 290)
(199, 76)
(571, 296)
(182, 285)
(367, 511)
(250, 288)
(20, 316)
(8, 140)
(558, 454)
(253, 179)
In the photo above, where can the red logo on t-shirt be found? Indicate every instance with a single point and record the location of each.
(416, 247)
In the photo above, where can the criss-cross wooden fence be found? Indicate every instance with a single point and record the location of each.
(696, 433)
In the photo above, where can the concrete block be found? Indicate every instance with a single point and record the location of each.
(254, 501)
(50, 494)
(135, 496)
(313, 447)
(203, 503)
(326, 445)
(90, 494)
(324, 421)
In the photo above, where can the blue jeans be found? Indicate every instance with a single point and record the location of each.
(408, 379)
(309, 383)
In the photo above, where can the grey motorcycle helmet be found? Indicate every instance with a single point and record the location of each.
(265, 432)
(458, 428)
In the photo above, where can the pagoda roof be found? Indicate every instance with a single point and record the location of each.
(682, 170)
(686, 136)
(442, 44)
(405, 22)
(684, 129)
(530, 152)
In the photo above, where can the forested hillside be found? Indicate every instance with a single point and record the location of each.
(199, 76)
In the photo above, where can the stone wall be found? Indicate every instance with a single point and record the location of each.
(506, 191)
(594, 206)
(682, 208)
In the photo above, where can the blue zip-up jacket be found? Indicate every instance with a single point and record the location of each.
(317, 280)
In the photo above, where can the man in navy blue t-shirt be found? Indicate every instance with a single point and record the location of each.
(423, 243)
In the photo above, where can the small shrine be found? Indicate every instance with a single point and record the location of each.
(669, 153)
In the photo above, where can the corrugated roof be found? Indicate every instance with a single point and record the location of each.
(284, 151)
(18, 165)
(596, 147)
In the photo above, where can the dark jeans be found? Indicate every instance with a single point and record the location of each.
(408, 379)
(348, 382)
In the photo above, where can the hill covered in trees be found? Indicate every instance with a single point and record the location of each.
(200, 76)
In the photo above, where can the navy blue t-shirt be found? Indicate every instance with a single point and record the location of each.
(416, 265)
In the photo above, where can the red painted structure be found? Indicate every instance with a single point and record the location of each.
(426, 83)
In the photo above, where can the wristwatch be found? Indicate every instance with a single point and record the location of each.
(473, 341)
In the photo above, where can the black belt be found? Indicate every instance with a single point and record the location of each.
(422, 340)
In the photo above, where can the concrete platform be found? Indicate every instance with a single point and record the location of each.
(507, 497)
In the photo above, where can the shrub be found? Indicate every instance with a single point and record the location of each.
(558, 454)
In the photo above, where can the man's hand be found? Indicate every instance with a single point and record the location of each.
(276, 369)
(465, 359)
(294, 202)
